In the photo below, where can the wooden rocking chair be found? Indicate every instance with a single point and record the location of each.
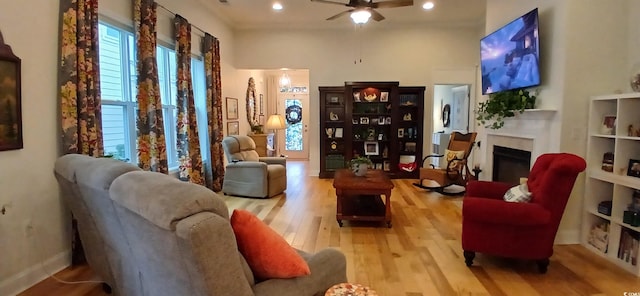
(456, 171)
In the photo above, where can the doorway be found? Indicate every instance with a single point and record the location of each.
(451, 105)
(294, 139)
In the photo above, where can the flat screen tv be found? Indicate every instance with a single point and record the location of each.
(509, 57)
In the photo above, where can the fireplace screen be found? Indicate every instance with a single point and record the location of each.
(509, 165)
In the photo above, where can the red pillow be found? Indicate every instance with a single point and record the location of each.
(268, 254)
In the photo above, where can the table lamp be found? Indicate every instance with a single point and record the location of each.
(276, 122)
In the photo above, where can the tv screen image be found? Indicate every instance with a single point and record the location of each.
(509, 57)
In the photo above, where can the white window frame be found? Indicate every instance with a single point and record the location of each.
(169, 107)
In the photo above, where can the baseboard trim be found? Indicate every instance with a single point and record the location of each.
(34, 274)
(567, 237)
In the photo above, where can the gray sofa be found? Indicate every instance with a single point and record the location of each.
(248, 174)
(148, 233)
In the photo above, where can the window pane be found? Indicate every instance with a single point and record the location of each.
(110, 64)
(200, 98)
(173, 78)
(133, 73)
(169, 116)
(293, 133)
(162, 74)
(114, 132)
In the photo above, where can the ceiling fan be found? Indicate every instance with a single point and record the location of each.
(367, 5)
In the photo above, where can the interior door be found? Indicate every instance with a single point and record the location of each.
(294, 140)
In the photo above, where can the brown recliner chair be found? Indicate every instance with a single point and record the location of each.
(248, 174)
(456, 170)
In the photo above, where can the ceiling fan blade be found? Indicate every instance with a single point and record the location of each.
(340, 14)
(392, 4)
(330, 2)
(376, 16)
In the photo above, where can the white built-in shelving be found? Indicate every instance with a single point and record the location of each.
(621, 246)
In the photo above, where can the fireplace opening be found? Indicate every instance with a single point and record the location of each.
(509, 165)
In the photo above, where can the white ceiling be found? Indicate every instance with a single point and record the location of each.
(249, 14)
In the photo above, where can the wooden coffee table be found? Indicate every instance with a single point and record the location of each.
(360, 198)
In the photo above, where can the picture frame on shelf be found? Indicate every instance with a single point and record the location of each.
(232, 108)
(608, 125)
(378, 166)
(335, 100)
(338, 132)
(233, 128)
(356, 96)
(634, 168)
(387, 120)
(364, 120)
(354, 120)
(381, 120)
(384, 96)
(401, 133)
(380, 137)
(371, 148)
(386, 166)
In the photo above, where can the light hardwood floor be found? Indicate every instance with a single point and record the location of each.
(420, 255)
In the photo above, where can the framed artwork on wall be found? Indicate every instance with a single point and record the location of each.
(10, 99)
(233, 128)
(232, 108)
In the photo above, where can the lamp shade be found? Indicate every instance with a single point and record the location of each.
(275, 122)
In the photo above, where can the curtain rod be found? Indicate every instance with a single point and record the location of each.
(171, 12)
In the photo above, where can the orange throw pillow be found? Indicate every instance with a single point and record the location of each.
(268, 254)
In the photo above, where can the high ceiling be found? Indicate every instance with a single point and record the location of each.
(248, 14)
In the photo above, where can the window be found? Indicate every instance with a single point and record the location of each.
(118, 85)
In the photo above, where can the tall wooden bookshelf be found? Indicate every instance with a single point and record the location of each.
(379, 120)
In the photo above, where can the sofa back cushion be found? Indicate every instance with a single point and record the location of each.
(180, 236)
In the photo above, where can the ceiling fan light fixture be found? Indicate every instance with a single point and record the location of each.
(360, 16)
(428, 5)
(277, 6)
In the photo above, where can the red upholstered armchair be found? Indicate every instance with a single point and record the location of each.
(526, 230)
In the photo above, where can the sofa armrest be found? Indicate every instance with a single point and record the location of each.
(328, 267)
(274, 160)
(485, 210)
(487, 189)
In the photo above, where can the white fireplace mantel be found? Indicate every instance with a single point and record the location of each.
(527, 131)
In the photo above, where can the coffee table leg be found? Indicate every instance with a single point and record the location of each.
(339, 207)
(387, 208)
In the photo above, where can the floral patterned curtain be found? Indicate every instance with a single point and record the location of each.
(79, 93)
(79, 77)
(187, 126)
(152, 149)
(215, 175)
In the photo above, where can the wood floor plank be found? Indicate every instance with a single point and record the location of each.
(420, 255)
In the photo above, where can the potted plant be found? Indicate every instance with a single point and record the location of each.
(359, 165)
(492, 112)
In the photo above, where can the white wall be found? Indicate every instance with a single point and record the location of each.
(28, 189)
(409, 55)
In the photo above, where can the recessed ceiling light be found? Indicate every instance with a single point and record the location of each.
(428, 5)
(277, 6)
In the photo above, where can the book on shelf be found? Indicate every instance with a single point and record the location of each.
(599, 236)
(628, 249)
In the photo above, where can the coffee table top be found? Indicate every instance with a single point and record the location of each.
(374, 179)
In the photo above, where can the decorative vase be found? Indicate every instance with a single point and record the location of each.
(360, 169)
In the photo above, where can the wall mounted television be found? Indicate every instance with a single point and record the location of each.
(509, 57)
